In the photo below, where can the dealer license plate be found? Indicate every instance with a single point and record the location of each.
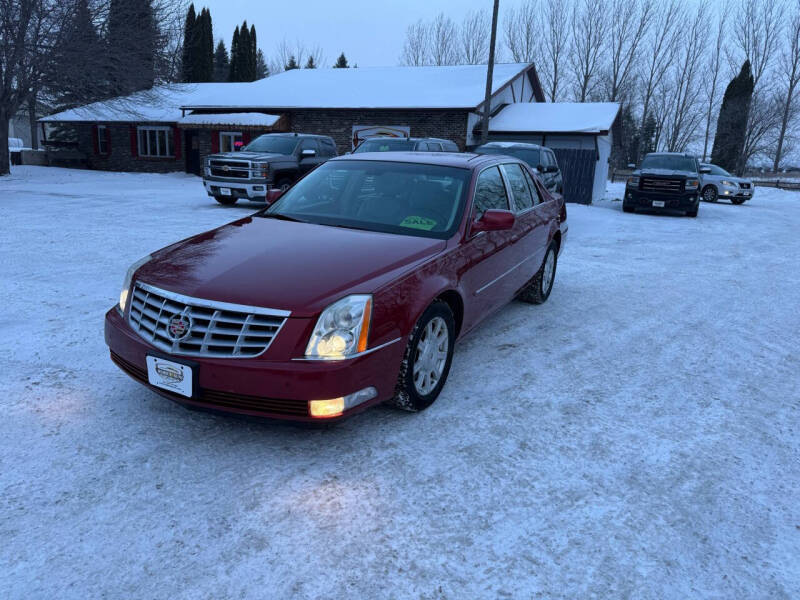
(658, 203)
(225, 191)
(169, 375)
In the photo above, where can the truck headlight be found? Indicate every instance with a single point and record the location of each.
(126, 285)
(692, 184)
(341, 329)
(261, 169)
(633, 182)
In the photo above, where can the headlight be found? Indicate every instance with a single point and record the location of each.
(126, 285)
(633, 182)
(728, 183)
(692, 184)
(341, 329)
(261, 169)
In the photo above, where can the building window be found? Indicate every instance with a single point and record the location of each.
(155, 141)
(228, 139)
(102, 139)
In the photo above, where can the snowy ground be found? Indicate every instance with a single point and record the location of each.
(636, 436)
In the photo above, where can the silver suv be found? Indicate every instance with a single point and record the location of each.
(717, 183)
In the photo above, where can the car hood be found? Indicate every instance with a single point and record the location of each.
(299, 267)
(262, 156)
(663, 173)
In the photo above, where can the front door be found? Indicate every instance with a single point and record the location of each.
(192, 144)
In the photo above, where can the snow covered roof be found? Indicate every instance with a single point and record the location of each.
(555, 117)
(246, 119)
(461, 86)
(161, 104)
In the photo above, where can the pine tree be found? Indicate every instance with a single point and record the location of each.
(647, 137)
(77, 61)
(205, 48)
(341, 62)
(222, 65)
(732, 121)
(252, 55)
(262, 71)
(132, 38)
(292, 64)
(187, 53)
(234, 71)
(310, 64)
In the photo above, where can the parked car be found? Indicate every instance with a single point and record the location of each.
(350, 290)
(270, 160)
(716, 183)
(538, 157)
(387, 144)
(664, 181)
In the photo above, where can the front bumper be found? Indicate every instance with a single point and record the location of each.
(251, 189)
(261, 387)
(726, 191)
(645, 200)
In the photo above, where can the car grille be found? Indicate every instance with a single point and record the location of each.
(222, 400)
(652, 184)
(233, 169)
(744, 186)
(215, 329)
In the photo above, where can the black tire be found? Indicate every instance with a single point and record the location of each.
(538, 289)
(691, 213)
(710, 194)
(737, 201)
(627, 208)
(226, 200)
(406, 395)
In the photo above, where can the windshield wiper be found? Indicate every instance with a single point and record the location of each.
(282, 217)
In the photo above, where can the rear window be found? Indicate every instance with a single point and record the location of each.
(531, 156)
(670, 162)
(385, 145)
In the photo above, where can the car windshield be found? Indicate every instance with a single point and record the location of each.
(384, 145)
(392, 197)
(528, 155)
(669, 162)
(715, 170)
(272, 144)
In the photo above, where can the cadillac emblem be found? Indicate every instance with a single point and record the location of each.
(178, 327)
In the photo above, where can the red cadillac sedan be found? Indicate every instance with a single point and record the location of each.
(351, 289)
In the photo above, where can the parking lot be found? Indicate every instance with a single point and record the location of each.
(635, 436)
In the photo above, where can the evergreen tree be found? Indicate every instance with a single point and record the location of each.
(132, 40)
(310, 64)
(262, 71)
(77, 61)
(205, 48)
(222, 65)
(292, 64)
(341, 62)
(732, 121)
(188, 51)
(234, 71)
(647, 137)
(252, 55)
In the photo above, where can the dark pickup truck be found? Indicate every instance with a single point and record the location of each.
(668, 181)
(274, 160)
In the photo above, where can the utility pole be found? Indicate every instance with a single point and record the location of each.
(489, 75)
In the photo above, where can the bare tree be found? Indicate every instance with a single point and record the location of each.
(444, 41)
(661, 44)
(554, 25)
(416, 49)
(474, 38)
(757, 33)
(285, 50)
(762, 124)
(713, 68)
(588, 27)
(627, 29)
(789, 72)
(521, 31)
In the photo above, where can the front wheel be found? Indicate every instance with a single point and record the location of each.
(737, 200)
(426, 362)
(226, 200)
(538, 289)
(710, 193)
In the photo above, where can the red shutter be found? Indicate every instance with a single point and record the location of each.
(176, 138)
(246, 137)
(108, 140)
(134, 143)
(95, 139)
(214, 142)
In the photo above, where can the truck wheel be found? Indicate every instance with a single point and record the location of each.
(426, 362)
(226, 200)
(710, 194)
(691, 213)
(538, 289)
(627, 208)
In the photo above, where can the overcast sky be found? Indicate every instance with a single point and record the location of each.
(369, 32)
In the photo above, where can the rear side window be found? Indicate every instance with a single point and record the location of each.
(536, 193)
(327, 146)
(552, 159)
(449, 147)
(519, 187)
(490, 192)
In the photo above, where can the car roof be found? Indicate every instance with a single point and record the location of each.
(686, 154)
(407, 139)
(511, 145)
(463, 160)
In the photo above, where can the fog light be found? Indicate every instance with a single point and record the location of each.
(325, 409)
(258, 188)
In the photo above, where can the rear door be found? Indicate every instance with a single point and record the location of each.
(530, 232)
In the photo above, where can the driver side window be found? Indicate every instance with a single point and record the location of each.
(490, 192)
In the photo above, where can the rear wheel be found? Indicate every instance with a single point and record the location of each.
(710, 193)
(538, 289)
(226, 200)
(427, 360)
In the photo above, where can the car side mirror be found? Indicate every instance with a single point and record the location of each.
(540, 168)
(494, 220)
(308, 153)
(274, 194)
(631, 166)
(705, 170)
